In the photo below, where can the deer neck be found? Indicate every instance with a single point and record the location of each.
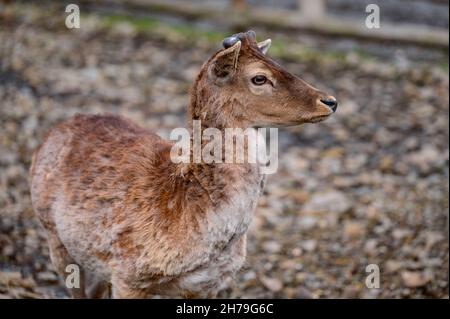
(231, 190)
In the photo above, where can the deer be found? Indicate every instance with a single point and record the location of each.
(113, 203)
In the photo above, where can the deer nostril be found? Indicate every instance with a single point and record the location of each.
(331, 102)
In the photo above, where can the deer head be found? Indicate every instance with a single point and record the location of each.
(240, 86)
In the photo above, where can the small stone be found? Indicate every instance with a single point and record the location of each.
(426, 158)
(307, 222)
(8, 250)
(309, 245)
(300, 277)
(393, 266)
(272, 284)
(299, 197)
(10, 278)
(288, 264)
(432, 238)
(400, 233)
(370, 247)
(47, 276)
(329, 201)
(296, 252)
(272, 247)
(303, 293)
(414, 279)
(386, 163)
(249, 276)
(354, 229)
(351, 292)
(350, 107)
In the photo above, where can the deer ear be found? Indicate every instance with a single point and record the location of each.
(224, 65)
(264, 45)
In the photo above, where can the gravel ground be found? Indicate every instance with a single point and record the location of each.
(369, 186)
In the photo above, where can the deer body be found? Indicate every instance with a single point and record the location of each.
(113, 202)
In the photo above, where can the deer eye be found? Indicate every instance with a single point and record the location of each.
(259, 80)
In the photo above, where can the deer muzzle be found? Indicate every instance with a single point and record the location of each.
(331, 102)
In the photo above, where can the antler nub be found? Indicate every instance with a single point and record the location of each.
(230, 41)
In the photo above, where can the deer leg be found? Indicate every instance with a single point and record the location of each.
(60, 259)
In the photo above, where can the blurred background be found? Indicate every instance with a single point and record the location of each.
(368, 186)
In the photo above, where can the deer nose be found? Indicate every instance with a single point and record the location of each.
(331, 102)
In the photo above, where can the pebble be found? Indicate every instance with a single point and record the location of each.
(328, 202)
(47, 276)
(309, 245)
(307, 222)
(414, 279)
(273, 284)
(392, 266)
(354, 229)
(272, 247)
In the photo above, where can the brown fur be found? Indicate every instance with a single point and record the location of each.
(114, 203)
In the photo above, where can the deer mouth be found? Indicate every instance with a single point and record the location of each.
(319, 118)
